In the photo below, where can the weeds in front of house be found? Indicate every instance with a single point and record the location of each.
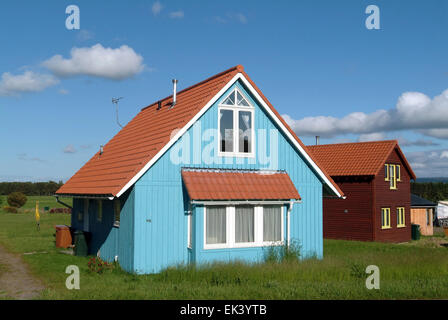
(283, 253)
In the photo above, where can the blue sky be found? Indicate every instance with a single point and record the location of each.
(314, 60)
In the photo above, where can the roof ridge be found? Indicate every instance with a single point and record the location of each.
(238, 67)
(346, 143)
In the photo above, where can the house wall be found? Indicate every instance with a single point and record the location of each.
(388, 198)
(161, 201)
(350, 218)
(106, 239)
(418, 216)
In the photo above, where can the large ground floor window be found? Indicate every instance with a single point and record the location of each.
(242, 226)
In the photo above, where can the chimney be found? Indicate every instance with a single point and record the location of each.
(317, 140)
(174, 92)
(101, 150)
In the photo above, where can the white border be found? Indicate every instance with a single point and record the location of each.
(230, 230)
(238, 76)
(236, 110)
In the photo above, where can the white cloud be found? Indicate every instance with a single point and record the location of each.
(429, 164)
(177, 14)
(63, 91)
(26, 82)
(84, 35)
(25, 157)
(413, 111)
(97, 61)
(419, 142)
(156, 8)
(375, 136)
(69, 149)
(436, 133)
(238, 17)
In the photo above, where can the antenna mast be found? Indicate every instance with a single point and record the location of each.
(115, 101)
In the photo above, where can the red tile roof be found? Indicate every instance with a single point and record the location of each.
(127, 153)
(357, 159)
(238, 185)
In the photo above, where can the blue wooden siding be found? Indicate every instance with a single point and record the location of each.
(107, 239)
(160, 237)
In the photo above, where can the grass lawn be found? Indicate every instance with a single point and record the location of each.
(407, 271)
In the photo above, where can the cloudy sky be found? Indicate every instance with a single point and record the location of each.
(316, 61)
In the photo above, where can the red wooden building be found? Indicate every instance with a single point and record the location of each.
(375, 177)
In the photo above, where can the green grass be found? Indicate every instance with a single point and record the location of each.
(44, 201)
(406, 271)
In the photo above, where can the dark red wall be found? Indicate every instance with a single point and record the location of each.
(365, 198)
(356, 223)
(387, 198)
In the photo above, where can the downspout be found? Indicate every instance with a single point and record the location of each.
(64, 204)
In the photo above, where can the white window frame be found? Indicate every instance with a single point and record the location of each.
(236, 110)
(230, 230)
(190, 230)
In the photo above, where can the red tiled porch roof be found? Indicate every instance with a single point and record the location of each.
(238, 185)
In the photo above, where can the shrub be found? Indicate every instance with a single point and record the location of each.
(10, 209)
(17, 199)
(97, 265)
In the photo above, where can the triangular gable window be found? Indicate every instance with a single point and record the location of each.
(240, 100)
(230, 100)
(236, 99)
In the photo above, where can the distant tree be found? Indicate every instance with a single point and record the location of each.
(17, 199)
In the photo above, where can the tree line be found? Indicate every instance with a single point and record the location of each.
(30, 188)
(433, 191)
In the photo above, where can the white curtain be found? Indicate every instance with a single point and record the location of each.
(244, 224)
(272, 223)
(216, 225)
(245, 131)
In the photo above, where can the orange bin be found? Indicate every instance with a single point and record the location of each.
(63, 236)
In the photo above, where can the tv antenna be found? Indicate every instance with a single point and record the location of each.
(115, 101)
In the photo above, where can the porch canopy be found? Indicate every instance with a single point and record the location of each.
(222, 184)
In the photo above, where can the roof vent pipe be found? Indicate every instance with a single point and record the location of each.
(317, 140)
(174, 92)
(101, 150)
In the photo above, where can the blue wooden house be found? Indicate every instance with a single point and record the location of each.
(210, 173)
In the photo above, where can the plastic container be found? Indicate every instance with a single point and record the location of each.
(81, 248)
(415, 232)
(63, 236)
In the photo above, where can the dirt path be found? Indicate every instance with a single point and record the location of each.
(15, 280)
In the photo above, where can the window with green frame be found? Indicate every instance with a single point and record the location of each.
(385, 218)
(401, 217)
